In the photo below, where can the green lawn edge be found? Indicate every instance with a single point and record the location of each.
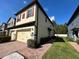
(61, 50)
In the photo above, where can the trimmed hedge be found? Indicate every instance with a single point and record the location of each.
(5, 39)
(31, 43)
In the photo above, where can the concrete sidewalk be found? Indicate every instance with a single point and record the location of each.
(75, 45)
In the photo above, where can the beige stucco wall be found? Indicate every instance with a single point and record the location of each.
(43, 25)
(26, 20)
(14, 33)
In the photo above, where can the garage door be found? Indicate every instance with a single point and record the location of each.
(23, 36)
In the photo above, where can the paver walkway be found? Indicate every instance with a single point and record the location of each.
(35, 53)
(75, 45)
(11, 47)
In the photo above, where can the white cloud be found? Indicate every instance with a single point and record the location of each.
(46, 9)
(24, 2)
(52, 18)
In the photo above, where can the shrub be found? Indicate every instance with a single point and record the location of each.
(45, 40)
(69, 39)
(5, 39)
(31, 43)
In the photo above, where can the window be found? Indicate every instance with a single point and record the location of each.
(23, 16)
(11, 23)
(8, 23)
(50, 26)
(30, 13)
(18, 18)
(45, 19)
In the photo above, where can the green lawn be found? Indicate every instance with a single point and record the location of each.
(61, 50)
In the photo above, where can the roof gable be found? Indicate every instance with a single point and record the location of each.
(26, 7)
(3, 24)
(11, 18)
(74, 15)
(44, 13)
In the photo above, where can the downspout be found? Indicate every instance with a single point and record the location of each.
(36, 24)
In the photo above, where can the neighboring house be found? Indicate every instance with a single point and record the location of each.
(73, 25)
(3, 29)
(31, 23)
(4, 26)
(10, 24)
(0, 28)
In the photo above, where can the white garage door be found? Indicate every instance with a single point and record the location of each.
(23, 36)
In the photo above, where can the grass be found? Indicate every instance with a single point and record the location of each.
(61, 50)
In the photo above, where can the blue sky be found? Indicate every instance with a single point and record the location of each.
(59, 10)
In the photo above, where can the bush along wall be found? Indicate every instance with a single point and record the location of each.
(32, 43)
(5, 39)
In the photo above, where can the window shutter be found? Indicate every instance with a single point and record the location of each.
(33, 11)
(27, 14)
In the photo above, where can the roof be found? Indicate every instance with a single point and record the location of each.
(4, 24)
(26, 7)
(73, 16)
(32, 3)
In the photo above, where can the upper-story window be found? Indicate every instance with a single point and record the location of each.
(23, 16)
(30, 12)
(18, 18)
(11, 23)
(45, 19)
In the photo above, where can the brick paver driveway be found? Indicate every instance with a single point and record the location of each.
(11, 47)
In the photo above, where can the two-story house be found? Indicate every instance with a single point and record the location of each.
(4, 26)
(0, 28)
(10, 24)
(73, 25)
(31, 23)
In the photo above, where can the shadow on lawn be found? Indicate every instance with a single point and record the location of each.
(51, 40)
(57, 39)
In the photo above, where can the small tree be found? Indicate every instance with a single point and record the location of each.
(54, 26)
(61, 29)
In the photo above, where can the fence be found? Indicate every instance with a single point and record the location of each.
(61, 35)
